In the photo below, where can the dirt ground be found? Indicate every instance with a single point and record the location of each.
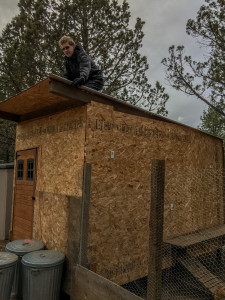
(175, 290)
(176, 286)
(2, 245)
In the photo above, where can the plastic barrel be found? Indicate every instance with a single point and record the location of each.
(8, 262)
(42, 274)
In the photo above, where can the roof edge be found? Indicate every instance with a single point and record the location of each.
(131, 109)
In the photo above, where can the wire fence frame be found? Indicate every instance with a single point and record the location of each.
(196, 259)
(187, 266)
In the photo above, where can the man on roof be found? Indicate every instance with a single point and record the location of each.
(80, 68)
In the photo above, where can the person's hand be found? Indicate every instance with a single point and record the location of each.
(78, 81)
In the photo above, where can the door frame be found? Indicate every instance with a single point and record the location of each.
(14, 188)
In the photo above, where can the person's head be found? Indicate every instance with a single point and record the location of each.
(67, 44)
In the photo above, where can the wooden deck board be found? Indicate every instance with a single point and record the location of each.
(201, 273)
(191, 239)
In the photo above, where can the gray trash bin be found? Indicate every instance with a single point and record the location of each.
(8, 262)
(41, 275)
(20, 248)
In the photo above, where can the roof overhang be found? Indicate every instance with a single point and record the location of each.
(55, 94)
(49, 96)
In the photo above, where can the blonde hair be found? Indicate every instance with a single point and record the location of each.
(66, 39)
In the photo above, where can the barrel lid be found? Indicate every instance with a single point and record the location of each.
(22, 247)
(43, 258)
(7, 259)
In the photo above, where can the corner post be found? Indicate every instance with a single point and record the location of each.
(154, 288)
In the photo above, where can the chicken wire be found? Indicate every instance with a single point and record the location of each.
(193, 210)
(193, 252)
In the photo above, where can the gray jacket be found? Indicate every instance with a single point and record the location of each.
(80, 64)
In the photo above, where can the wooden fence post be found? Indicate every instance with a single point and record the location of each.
(154, 289)
(85, 214)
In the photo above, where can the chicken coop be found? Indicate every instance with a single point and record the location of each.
(82, 177)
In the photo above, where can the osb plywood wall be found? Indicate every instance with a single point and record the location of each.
(120, 187)
(120, 148)
(60, 142)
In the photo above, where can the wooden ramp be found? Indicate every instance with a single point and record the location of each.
(198, 237)
(201, 273)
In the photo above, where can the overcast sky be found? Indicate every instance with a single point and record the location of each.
(165, 26)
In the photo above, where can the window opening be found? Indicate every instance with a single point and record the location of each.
(30, 169)
(20, 164)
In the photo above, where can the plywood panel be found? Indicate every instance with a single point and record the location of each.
(57, 224)
(120, 195)
(60, 141)
(34, 98)
(120, 148)
(51, 220)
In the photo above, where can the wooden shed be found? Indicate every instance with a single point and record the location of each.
(82, 176)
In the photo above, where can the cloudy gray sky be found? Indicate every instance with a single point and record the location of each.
(165, 26)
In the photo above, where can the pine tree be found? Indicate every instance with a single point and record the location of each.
(22, 61)
(204, 79)
(7, 139)
(22, 53)
(30, 50)
(213, 123)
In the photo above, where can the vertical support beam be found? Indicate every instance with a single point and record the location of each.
(223, 174)
(74, 229)
(74, 237)
(156, 230)
(78, 229)
(85, 214)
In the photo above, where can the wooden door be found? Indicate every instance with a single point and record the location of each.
(23, 206)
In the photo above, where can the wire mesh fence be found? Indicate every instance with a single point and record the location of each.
(165, 239)
(189, 261)
(194, 231)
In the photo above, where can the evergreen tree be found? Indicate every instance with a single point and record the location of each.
(204, 79)
(213, 123)
(29, 48)
(29, 51)
(7, 140)
(22, 55)
(22, 61)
